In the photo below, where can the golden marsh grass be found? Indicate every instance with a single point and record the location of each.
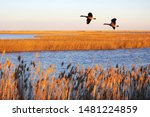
(75, 40)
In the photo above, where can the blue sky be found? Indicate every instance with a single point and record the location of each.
(65, 14)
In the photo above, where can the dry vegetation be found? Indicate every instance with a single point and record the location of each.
(75, 83)
(76, 40)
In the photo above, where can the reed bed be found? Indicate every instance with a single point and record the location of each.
(30, 82)
(75, 40)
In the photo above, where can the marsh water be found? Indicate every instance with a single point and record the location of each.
(16, 36)
(105, 58)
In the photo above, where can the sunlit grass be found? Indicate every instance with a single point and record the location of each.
(76, 40)
(29, 81)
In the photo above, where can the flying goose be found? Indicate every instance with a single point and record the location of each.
(89, 17)
(112, 24)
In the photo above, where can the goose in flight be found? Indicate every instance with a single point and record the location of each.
(112, 24)
(88, 18)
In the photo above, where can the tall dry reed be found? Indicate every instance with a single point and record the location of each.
(30, 82)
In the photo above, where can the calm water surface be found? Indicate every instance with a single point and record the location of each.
(16, 36)
(106, 58)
